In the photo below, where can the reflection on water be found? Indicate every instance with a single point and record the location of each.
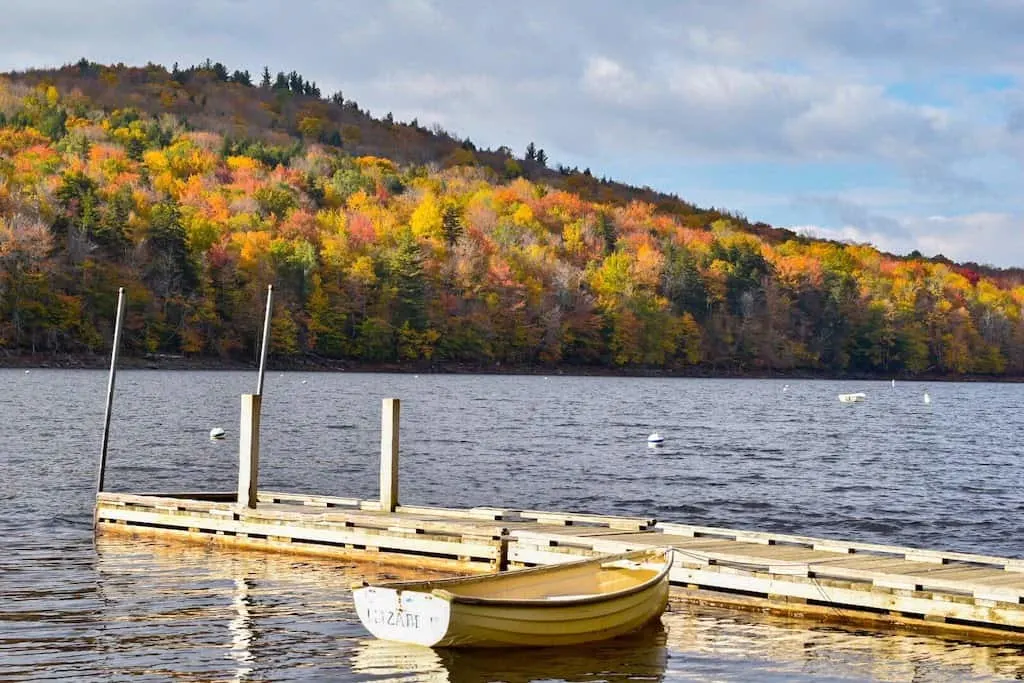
(640, 656)
(241, 628)
(242, 616)
(700, 644)
(785, 645)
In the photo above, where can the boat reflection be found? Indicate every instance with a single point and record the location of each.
(638, 656)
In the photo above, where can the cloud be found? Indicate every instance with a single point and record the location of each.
(927, 91)
(984, 238)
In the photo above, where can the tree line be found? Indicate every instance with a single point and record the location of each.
(378, 261)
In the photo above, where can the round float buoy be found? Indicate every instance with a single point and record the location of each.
(216, 434)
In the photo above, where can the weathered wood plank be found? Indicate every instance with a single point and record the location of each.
(212, 496)
(336, 535)
(572, 518)
(876, 600)
(137, 499)
(916, 554)
(303, 499)
(416, 561)
(461, 513)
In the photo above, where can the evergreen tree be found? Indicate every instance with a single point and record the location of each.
(220, 71)
(265, 79)
(405, 270)
(451, 224)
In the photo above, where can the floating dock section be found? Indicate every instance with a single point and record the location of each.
(821, 579)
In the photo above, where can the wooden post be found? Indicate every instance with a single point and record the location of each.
(110, 390)
(266, 338)
(389, 420)
(249, 450)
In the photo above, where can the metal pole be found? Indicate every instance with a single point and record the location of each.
(110, 389)
(266, 338)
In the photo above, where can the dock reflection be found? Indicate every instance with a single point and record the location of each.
(807, 650)
(241, 628)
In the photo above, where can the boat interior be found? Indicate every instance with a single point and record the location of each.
(556, 582)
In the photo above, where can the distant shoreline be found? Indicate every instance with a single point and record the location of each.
(312, 364)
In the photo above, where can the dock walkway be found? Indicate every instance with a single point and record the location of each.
(820, 578)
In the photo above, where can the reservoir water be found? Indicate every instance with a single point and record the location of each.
(767, 455)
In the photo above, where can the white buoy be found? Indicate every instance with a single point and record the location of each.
(216, 434)
(655, 440)
(785, 388)
(893, 382)
(927, 397)
(27, 371)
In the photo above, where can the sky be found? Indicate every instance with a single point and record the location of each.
(899, 124)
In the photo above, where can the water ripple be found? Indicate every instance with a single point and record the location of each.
(737, 454)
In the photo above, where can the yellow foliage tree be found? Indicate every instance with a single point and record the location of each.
(427, 220)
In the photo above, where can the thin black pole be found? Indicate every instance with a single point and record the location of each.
(110, 389)
(266, 338)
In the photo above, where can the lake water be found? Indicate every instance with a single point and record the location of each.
(782, 456)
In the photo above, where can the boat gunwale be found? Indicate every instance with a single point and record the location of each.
(437, 587)
(547, 603)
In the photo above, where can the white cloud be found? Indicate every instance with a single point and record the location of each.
(985, 238)
(892, 88)
(606, 79)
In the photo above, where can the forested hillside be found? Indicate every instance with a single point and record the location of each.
(390, 243)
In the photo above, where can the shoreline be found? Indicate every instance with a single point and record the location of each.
(314, 364)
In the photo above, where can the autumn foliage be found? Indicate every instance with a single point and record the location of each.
(451, 258)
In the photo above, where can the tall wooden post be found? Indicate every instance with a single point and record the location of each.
(389, 420)
(249, 450)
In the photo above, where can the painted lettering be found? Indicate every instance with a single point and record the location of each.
(389, 617)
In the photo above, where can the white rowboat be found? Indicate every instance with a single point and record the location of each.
(563, 604)
(852, 398)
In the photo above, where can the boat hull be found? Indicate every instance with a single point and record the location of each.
(403, 616)
(439, 618)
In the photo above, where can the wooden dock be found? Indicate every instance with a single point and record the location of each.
(966, 595)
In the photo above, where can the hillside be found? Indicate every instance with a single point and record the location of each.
(390, 243)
